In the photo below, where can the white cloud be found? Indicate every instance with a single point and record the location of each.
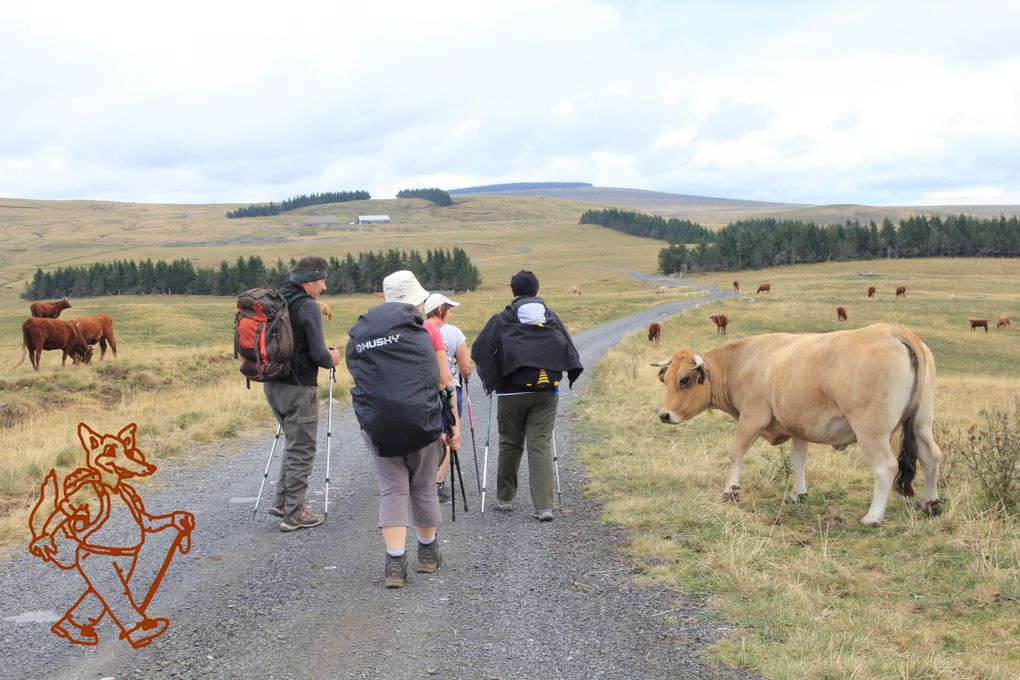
(809, 101)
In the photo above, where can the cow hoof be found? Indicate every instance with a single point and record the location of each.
(732, 495)
(869, 522)
(795, 498)
(932, 508)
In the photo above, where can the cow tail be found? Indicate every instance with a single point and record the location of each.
(904, 483)
(24, 349)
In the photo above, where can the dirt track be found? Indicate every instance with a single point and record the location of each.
(513, 598)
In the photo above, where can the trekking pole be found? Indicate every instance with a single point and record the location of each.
(276, 439)
(329, 435)
(485, 464)
(556, 470)
(455, 459)
(471, 423)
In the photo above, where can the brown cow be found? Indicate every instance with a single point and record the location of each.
(840, 313)
(736, 286)
(901, 291)
(49, 310)
(1003, 322)
(721, 321)
(39, 334)
(654, 331)
(828, 388)
(98, 328)
(979, 323)
(765, 288)
(871, 291)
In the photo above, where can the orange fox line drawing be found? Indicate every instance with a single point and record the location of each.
(97, 524)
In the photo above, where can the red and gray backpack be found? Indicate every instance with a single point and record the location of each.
(263, 337)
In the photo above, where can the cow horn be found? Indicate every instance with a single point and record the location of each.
(699, 361)
(664, 362)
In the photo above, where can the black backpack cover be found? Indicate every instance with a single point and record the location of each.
(396, 377)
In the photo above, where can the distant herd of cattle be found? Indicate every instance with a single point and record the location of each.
(74, 337)
(721, 320)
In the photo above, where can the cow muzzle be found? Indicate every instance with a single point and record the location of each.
(668, 417)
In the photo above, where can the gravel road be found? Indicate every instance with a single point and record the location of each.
(514, 598)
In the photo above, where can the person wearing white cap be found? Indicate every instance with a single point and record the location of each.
(438, 309)
(411, 476)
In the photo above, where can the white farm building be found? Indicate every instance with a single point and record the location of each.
(373, 219)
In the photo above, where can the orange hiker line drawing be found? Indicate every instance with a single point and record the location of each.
(98, 525)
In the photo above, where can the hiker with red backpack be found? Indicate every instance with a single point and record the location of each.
(399, 367)
(293, 396)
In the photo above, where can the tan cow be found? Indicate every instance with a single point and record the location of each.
(829, 388)
(1003, 322)
(662, 290)
(42, 333)
(573, 290)
(326, 311)
(97, 329)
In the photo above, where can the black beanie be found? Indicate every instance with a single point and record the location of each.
(524, 283)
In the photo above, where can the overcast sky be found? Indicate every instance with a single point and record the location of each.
(857, 101)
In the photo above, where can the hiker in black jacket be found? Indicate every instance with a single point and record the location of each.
(295, 398)
(522, 354)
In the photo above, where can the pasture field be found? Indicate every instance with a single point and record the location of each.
(175, 374)
(814, 593)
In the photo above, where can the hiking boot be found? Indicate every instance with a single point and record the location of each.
(505, 506)
(429, 557)
(145, 632)
(443, 492)
(544, 515)
(301, 519)
(395, 574)
(276, 512)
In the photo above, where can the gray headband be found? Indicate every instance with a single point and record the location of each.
(307, 275)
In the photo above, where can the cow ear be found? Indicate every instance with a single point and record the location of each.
(89, 438)
(662, 374)
(701, 375)
(127, 435)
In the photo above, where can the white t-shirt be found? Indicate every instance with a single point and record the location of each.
(452, 338)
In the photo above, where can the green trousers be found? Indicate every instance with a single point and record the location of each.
(526, 421)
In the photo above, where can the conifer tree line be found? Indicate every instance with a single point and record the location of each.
(266, 209)
(361, 273)
(673, 230)
(437, 196)
(757, 243)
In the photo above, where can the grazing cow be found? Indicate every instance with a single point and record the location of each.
(39, 334)
(326, 311)
(662, 290)
(49, 310)
(765, 288)
(871, 291)
(901, 291)
(654, 331)
(840, 313)
(721, 321)
(573, 290)
(736, 286)
(98, 328)
(829, 388)
(1003, 322)
(979, 323)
